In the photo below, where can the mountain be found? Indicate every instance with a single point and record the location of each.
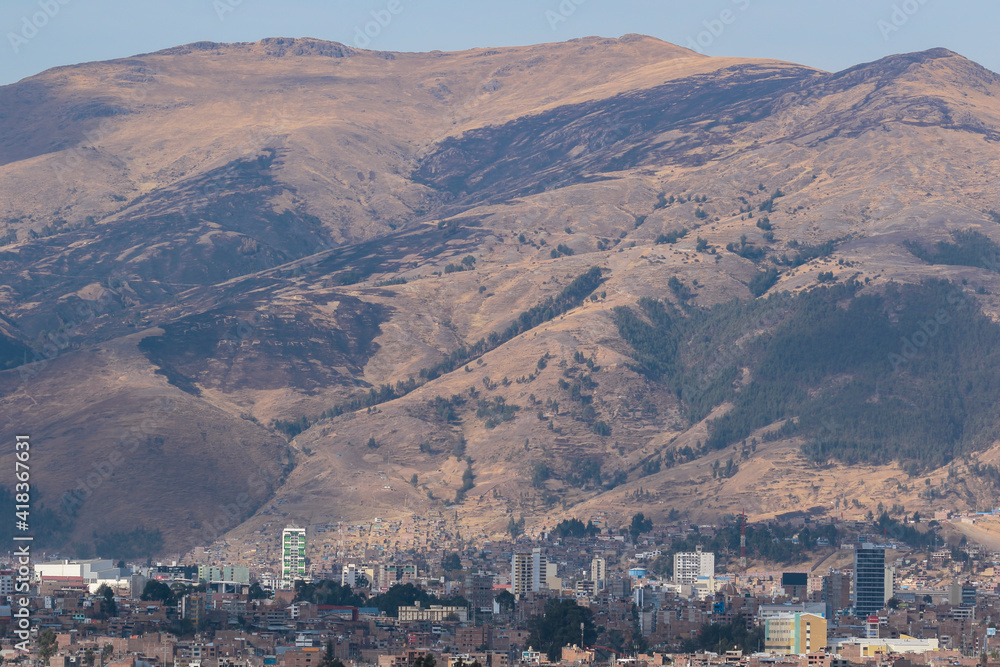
(246, 284)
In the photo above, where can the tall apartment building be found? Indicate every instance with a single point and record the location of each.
(479, 592)
(528, 572)
(869, 580)
(836, 593)
(598, 573)
(293, 556)
(688, 567)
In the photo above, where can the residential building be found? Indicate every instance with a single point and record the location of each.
(836, 593)
(689, 566)
(293, 556)
(528, 572)
(598, 572)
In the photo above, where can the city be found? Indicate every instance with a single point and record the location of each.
(579, 594)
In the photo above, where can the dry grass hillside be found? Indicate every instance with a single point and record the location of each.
(259, 233)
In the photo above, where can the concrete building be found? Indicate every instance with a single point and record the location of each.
(869, 580)
(795, 634)
(479, 592)
(528, 572)
(690, 566)
(6, 585)
(836, 593)
(293, 556)
(434, 613)
(598, 572)
(228, 573)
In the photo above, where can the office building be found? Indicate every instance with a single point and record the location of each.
(795, 634)
(869, 580)
(293, 556)
(689, 567)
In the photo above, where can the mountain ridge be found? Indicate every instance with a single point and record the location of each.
(265, 233)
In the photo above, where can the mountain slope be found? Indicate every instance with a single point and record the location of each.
(296, 239)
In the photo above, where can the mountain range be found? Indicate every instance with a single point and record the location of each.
(290, 280)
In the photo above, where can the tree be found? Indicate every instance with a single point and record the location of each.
(157, 590)
(256, 592)
(559, 626)
(721, 638)
(106, 652)
(108, 605)
(89, 657)
(505, 600)
(640, 524)
(452, 562)
(515, 528)
(47, 645)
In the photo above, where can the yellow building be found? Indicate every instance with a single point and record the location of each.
(795, 634)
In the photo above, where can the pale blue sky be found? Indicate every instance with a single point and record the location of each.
(829, 34)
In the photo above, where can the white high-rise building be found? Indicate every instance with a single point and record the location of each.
(528, 572)
(598, 572)
(293, 556)
(688, 567)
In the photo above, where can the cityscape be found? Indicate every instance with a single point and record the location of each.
(506, 333)
(578, 594)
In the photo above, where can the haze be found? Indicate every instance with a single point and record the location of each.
(39, 34)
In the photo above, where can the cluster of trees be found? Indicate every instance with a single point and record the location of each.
(746, 250)
(969, 248)
(327, 592)
(917, 367)
(495, 411)
(136, 543)
(672, 237)
(576, 528)
(559, 626)
(720, 638)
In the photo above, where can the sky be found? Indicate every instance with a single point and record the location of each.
(828, 34)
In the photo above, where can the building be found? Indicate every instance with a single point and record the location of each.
(795, 634)
(688, 567)
(208, 574)
(598, 572)
(350, 574)
(836, 593)
(434, 613)
(858, 650)
(869, 580)
(6, 585)
(962, 594)
(293, 556)
(193, 608)
(795, 584)
(528, 572)
(479, 592)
